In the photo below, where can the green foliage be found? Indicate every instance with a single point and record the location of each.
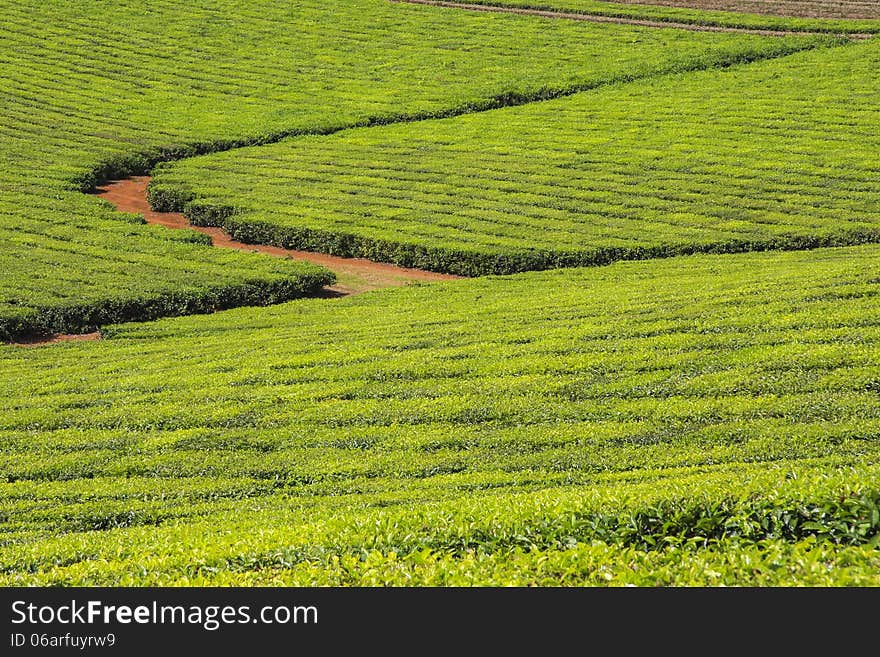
(694, 420)
(704, 419)
(714, 161)
(93, 90)
(760, 20)
(208, 280)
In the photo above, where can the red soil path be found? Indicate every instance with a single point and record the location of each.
(67, 337)
(591, 18)
(860, 9)
(356, 275)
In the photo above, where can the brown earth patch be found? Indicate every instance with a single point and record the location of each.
(54, 339)
(591, 18)
(791, 8)
(356, 275)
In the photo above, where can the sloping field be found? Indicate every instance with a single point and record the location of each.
(786, 15)
(71, 265)
(92, 91)
(693, 419)
(777, 154)
(703, 419)
(814, 8)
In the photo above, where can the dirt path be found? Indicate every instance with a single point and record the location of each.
(833, 9)
(354, 275)
(591, 18)
(67, 337)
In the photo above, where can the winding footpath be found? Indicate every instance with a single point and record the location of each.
(357, 275)
(354, 275)
(54, 339)
(598, 18)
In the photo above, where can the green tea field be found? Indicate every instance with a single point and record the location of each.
(659, 364)
(622, 173)
(842, 16)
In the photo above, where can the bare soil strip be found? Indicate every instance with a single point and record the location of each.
(834, 9)
(355, 275)
(592, 18)
(67, 337)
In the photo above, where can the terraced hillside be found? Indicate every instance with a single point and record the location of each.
(692, 419)
(97, 90)
(688, 413)
(778, 154)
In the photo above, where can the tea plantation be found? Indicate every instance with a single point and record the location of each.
(698, 406)
(98, 90)
(777, 154)
(655, 423)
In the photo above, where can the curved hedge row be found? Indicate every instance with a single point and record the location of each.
(707, 162)
(696, 15)
(86, 317)
(244, 228)
(95, 91)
